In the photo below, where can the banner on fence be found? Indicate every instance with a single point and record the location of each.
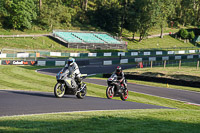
(75, 54)
(22, 55)
(107, 54)
(134, 53)
(55, 53)
(123, 61)
(2, 55)
(147, 53)
(60, 63)
(92, 54)
(17, 62)
(107, 62)
(121, 53)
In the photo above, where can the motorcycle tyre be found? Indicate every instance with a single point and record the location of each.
(81, 95)
(107, 93)
(55, 91)
(123, 97)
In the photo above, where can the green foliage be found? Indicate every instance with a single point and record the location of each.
(141, 17)
(137, 121)
(183, 33)
(61, 15)
(137, 16)
(191, 35)
(22, 13)
(107, 18)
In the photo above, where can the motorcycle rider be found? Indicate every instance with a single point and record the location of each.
(120, 76)
(74, 69)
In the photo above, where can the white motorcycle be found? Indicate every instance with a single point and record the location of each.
(67, 84)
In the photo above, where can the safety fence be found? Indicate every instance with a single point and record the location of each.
(37, 54)
(152, 59)
(136, 60)
(40, 62)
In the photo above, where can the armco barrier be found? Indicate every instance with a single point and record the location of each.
(159, 80)
(145, 53)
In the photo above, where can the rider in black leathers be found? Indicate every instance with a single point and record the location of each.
(120, 76)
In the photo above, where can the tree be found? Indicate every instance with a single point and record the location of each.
(191, 35)
(141, 17)
(163, 9)
(22, 13)
(84, 5)
(107, 18)
(40, 5)
(2, 10)
(60, 15)
(183, 33)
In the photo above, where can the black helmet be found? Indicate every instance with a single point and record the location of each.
(118, 69)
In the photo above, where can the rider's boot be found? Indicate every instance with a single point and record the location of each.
(79, 82)
(125, 88)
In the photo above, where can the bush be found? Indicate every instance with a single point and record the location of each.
(191, 35)
(183, 33)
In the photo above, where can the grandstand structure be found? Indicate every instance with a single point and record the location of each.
(89, 40)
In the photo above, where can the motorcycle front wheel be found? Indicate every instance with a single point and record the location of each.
(124, 95)
(82, 93)
(109, 92)
(59, 90)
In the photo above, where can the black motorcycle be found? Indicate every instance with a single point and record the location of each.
(115, 88)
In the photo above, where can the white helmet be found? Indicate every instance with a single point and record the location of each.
(70, 61)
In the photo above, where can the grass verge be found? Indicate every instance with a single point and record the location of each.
(137, 121)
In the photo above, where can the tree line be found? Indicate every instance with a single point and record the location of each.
(137, 16)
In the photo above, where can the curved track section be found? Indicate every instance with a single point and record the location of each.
(23, 102)
(189, 97)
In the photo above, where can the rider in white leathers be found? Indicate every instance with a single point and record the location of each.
(74, 69)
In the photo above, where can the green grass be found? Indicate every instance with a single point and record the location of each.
(23, 78)
(167, 43)
(137, 121)
(154, 31)
(18, 32)
(36, 43)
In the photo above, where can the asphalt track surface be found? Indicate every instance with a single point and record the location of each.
(13, 102)
(23, 102)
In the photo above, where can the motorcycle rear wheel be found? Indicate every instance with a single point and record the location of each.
(124, 95)
(109, 92)
(82, 94)
(59, 91)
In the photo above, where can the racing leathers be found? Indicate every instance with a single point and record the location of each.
(74, 70)
(121, 79)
